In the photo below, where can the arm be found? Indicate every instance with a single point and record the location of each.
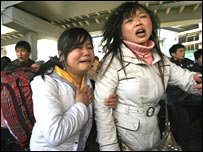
(184, 79)
(198, 79)
(106, 129)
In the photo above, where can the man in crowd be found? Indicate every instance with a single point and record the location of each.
(23, 51)
(183, 105)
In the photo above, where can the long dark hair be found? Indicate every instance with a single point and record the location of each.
(68, 41)
(112, 30)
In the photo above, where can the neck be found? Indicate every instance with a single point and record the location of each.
(144, 52)
(76, 77)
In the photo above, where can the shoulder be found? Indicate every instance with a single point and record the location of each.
(31, 61)
(14, 64)
(39, 82)
(188, 60)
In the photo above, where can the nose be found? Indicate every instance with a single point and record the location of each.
(137, 21)
(86, 52)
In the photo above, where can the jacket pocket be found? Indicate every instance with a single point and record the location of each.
(128, 125)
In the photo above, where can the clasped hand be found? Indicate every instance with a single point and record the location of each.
(198, 86)
(85, 95)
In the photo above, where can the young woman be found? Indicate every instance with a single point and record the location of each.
(137, 71)
(62, 96)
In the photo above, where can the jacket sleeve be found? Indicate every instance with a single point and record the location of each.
(55, 123)
(106, 130)
(183, 78)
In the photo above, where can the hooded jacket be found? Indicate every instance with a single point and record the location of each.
(62, 124)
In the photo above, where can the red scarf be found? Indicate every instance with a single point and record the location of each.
(142, 51)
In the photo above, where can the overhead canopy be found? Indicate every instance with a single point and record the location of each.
(49, 18)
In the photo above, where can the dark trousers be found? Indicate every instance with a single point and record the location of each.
(187, 126)
(8, 142)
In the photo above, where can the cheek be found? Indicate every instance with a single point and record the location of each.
(24, 54)
(72, 58)
(92, 54)
(149, 25)
(125, 32)
(17, 54)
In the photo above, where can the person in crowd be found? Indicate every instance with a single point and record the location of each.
(23, 51)
(198, 60)
(63, 106)
(94, 69)
(6, 138)
(4, 62)
(183, 104)
(177, 52)
(138, 72)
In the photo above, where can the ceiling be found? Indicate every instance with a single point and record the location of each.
(50, 18)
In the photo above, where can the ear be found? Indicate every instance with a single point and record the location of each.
(29, 53)
(173, 54)
(62, 58)
(59, 53)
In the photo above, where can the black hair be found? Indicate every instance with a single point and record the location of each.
(23, 44)
(68, 41)
(197, 54)
(4, 62)
(112, 30)
(175, 47)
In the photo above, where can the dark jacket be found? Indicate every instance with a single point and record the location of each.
(186, 63)
(198, 68)
(16, 63)
(178, 96)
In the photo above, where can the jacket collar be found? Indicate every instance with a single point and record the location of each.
(55, 75)
(129, 56)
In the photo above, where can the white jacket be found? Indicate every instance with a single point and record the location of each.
(138, 96)
(60, 121)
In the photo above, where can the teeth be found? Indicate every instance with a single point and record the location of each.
(140, 30)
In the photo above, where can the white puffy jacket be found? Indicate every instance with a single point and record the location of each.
(61, 123)
(138, 97)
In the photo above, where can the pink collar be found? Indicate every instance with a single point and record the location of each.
(142, 51)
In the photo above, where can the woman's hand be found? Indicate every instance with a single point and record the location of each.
(198, 79)
(84, 96)
(111, 102)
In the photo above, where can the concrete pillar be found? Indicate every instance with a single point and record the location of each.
(32, 38)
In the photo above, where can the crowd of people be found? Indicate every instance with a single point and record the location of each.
(116, 99)
(186, 108)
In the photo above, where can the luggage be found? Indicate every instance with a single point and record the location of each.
(16, 102)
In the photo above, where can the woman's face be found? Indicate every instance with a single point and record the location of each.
(80, 59)
(137, 28)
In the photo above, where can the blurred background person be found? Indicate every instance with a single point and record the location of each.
(198, 60)
(23, 51)
(94, 69)
(4, 62)
(185, 107)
